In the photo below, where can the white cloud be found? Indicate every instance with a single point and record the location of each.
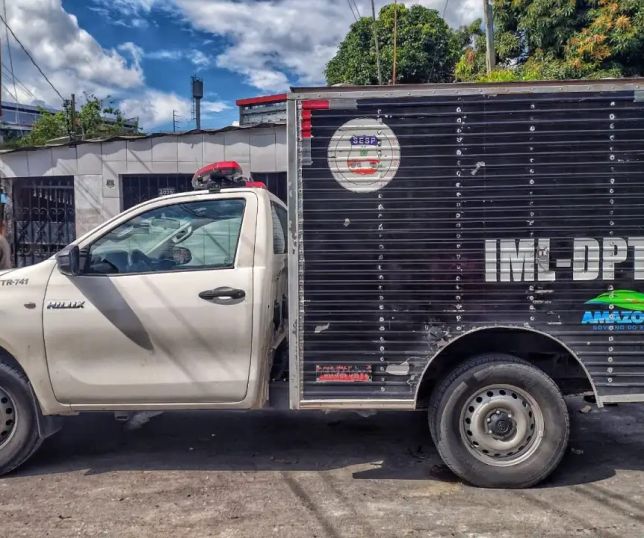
(271, 43)
(70, 56)
(154, 108)
(128, 7)
(194, 56)
(208, 108)
(272, 39)
(128, 13)
(199, 59)
(135, 52)
(165, 54)
(75, 63)
(458, 12)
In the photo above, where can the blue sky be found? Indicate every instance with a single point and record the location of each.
(142, 53)
(173, 51)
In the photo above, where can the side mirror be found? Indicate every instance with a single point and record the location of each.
(68, 260)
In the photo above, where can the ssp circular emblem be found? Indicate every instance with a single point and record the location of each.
(364, 155)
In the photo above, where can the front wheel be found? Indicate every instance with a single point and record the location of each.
(19, 432)
(497, 421)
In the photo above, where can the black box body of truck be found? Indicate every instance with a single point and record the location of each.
(431, 222)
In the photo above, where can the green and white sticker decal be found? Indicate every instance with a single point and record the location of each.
(625, 299)
(616, 310)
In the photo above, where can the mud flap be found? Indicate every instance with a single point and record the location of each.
(48, 425)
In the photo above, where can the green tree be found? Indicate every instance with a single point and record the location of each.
(427, 48)
(48, 126)
(96, 118)
(557, 39)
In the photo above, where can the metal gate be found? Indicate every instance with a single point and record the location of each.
(43, 217)
(137, 188)
(274, 181)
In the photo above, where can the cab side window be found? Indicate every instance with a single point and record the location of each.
(280, 228)
(179, 237)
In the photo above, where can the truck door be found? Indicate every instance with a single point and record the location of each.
(162, 310)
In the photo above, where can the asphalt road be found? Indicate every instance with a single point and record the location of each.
(312, 474)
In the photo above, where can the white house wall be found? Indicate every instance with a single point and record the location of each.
(97, 167)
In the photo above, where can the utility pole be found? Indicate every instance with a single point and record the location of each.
(197, 95)
(394, 75)
(73, 113)
(70, 110)
(375, 40)
(490, 55)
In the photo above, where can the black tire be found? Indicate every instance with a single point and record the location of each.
(22, 437)
(451, 401)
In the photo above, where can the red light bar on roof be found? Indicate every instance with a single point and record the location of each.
(221, 167)
(219, 174)
(216, 176)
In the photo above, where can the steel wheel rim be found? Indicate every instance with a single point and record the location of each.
(8, 418)
(502, 425)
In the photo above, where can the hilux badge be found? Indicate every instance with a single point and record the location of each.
(65, 305)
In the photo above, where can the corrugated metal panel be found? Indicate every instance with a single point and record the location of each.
(64, 142)
(387, 277)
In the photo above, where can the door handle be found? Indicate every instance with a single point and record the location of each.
(223, 295)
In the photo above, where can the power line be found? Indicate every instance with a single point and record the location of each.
(7, 74)
(352, 12)
(8, 92)
(357, 10)
(5, 70)
(13, 75)
(375, 40)
(445, 7)
(31, 58)
(394, 75)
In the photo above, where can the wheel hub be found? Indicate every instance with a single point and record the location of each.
(7, 418)
(502, 425)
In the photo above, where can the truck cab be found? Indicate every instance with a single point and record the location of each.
(177, 303)
(180, 296)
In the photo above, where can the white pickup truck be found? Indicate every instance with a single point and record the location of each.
(473, 250)
(178, 303)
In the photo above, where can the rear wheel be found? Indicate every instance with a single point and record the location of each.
(19, 435)
(497, 421)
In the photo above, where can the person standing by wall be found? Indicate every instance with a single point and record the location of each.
(5, 249)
